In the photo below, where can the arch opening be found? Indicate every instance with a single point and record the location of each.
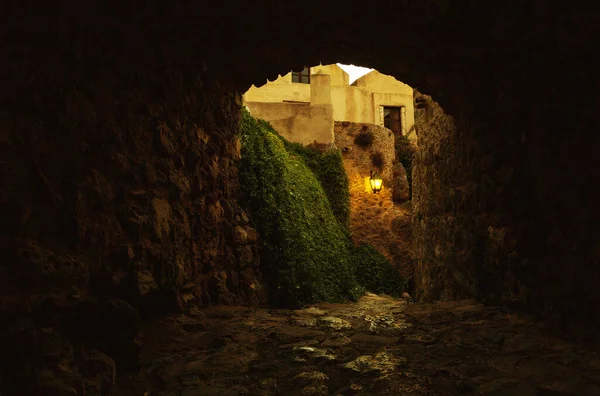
(355, 125)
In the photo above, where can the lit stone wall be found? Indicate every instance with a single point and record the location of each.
(374, 219)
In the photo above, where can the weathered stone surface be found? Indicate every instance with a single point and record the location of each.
(444, 349)
(400, 187)
(333, 323)
(121, 193)
(310, 378)
(477, 221)
(312, 355)
(146, 282)
(251, 234)
(240, 237)
(336, 340)
(372, 215)
(443, 208)
(380, 364)
(245, 256)
(59, 366)
(35, 267)
(99, 372)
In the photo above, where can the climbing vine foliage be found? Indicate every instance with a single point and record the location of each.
(299, 201)
(329, 169)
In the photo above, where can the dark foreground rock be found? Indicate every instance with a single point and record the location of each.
(377, 346)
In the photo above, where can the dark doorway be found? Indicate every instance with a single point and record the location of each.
(392, 119)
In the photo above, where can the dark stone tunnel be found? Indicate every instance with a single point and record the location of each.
(118, 152)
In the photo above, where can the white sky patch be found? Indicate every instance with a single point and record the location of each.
(354, 72)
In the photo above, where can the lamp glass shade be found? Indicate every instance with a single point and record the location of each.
(376, 182)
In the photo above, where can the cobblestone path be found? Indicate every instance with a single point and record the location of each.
(378, 346)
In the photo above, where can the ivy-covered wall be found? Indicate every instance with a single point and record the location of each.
(327, 165)
(298, 197)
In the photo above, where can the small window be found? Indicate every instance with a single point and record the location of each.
(302, 77)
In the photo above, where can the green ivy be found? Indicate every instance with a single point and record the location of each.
(375, 273)
(299, 200)
(328, 167)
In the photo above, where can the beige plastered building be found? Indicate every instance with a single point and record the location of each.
(303, 106)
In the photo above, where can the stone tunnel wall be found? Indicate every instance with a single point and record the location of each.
(444, 207)
(505, 216)
(118, 179)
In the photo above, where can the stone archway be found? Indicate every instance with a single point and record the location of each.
(109, 111)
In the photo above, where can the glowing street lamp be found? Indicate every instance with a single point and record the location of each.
(376, 182)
